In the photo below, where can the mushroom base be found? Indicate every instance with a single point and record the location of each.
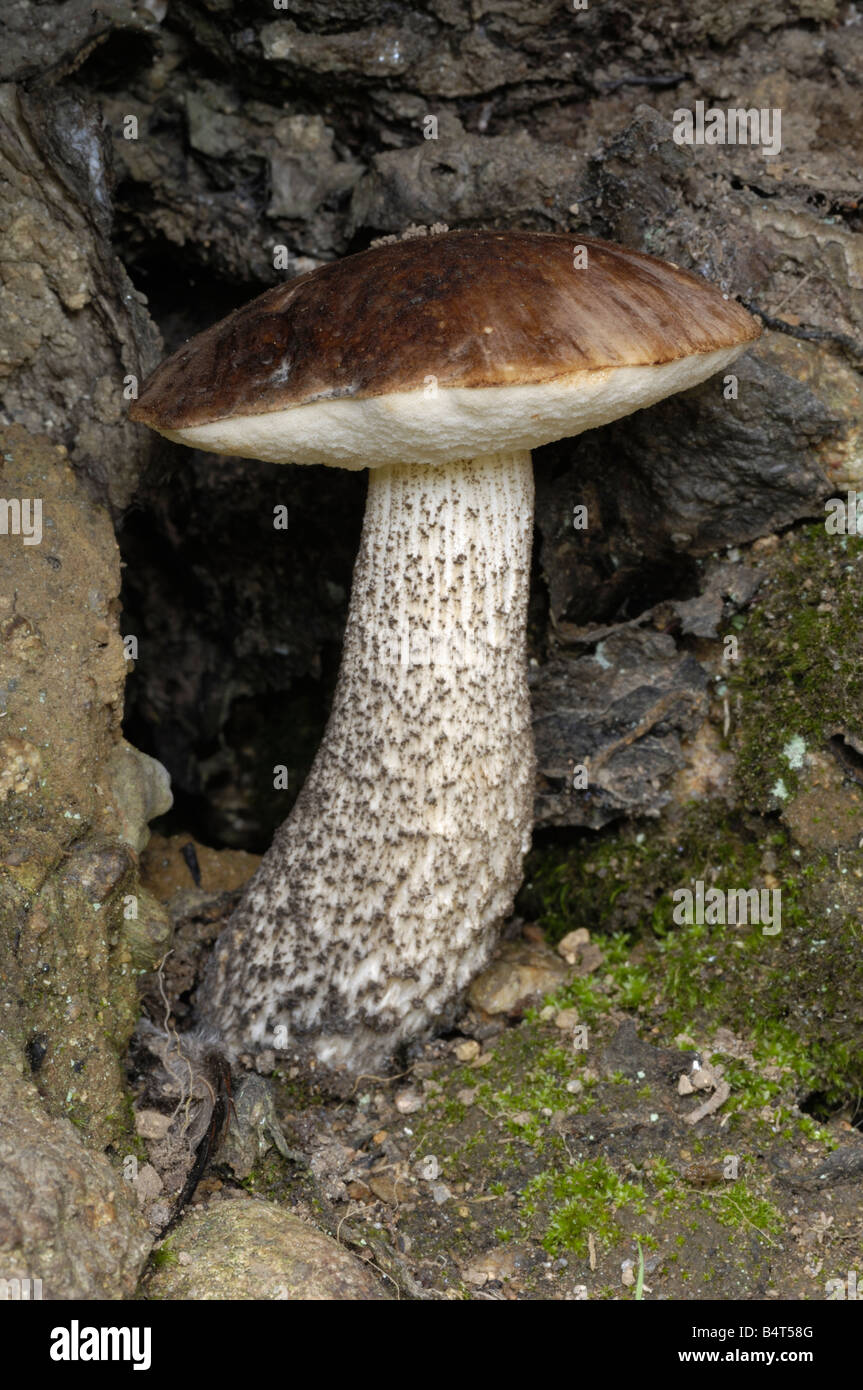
(382, 894)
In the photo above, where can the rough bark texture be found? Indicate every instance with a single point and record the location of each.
(76, 927)
(72, 326)
(382, 894)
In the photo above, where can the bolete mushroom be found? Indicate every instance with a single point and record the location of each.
(437, 363)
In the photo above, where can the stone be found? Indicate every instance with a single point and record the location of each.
(140, 789)
(494, 1266)
(521, 973)
(62, 371)
(152, 1124)
(149, 931)
(408, 1102)
(254, 1127)
(69, 883)
(827, 811)
(389, 1188)
(246, 1250)
(619, 711)
(148, 1184)
(165, 867)
(639, 1060)
(570, 945)
(704, 1078)
(66, 1215)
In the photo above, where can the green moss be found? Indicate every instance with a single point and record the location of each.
(163, 1257)
(583, 888)
(663, 1175)
(737, 1207)
(584, 1199)
(800, 673)
(527, 1103)
(273, 1177)
(121, 1121)
(793, 996)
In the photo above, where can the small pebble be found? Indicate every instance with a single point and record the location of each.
(408, 1102)
(152, 1124)
(572, 943)
(703, 1078)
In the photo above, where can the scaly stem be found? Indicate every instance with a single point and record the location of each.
(382, 894)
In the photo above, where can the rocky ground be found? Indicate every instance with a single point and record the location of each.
(553, 1148)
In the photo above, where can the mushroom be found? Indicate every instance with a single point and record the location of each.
(437, 363)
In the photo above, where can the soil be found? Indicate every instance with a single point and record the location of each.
(555, 1166)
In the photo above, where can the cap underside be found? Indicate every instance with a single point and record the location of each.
(437, 426)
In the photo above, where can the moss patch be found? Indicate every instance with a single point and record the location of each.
(797, 995)
(800, 677)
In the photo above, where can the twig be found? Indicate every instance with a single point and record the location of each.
(654, 716)
(791, 293)
(851, 348)
(727, 1197)
(384, 1080)
(571, 636)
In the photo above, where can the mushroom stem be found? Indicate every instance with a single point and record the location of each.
(381, 895)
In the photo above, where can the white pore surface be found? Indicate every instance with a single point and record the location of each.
(440, 426)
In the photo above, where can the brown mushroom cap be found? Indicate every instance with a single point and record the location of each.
(476, 314)
(472, 309)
